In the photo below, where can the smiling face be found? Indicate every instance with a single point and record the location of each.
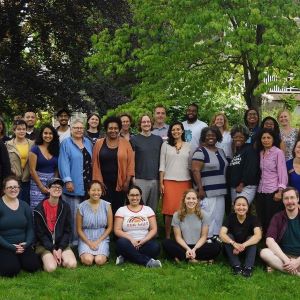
(95, 192)
(47, 135)
(241, 207)
(267, 140)
(20, 131)
(219, 121)
(252, 117)
(55, 190)
(269, 123)
(192, 114)
(63, 119)
(93, 122)
(146, 124)
(160, 115)
(297, 150)
(30, 118)
(12, 189)
(284, 118)
(210, 138)
(176, 132)
(191, 200)
(112, 131)
(238, 139)
(77, 130)
(290, 201)
(134, 197)
(125, 123)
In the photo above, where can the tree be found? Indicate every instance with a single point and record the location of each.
(178, 50)
(42, 49)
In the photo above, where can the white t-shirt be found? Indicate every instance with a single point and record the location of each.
(226, 144)
(136, 224)
(193, 132)
(64, 134)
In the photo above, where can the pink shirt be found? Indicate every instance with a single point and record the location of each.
(273, 171)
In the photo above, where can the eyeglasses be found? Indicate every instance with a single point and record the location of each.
(15, 187)
(56, 187)
(78, 128)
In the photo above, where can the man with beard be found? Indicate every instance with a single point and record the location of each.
(283, 236)
(63, 130)
(30, 119)
(193, 126)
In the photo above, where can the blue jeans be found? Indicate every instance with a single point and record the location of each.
(139, 256)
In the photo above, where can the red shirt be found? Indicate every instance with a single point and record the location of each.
(51, 214)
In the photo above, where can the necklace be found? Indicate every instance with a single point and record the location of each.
(178, 147)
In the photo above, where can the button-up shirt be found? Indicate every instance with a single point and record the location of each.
(273, 171)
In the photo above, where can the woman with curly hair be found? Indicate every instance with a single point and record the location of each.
(209, 165)
(190, 225)
(174, 172)
(43, 163)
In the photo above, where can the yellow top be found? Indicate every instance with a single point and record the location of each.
(23, 150)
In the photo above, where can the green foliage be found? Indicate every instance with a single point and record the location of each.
(289, 102)
(178, 51)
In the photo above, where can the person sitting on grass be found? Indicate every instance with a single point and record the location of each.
(94, 224)
(16, 232)
(283, 236)
(240, 234)
(136, 227)
(190, 226)
(52, 219)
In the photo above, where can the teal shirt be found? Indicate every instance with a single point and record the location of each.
(290, 243)
(15, 225)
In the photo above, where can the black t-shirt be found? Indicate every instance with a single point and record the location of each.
(241, 231)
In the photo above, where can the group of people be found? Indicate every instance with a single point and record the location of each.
(82, 183)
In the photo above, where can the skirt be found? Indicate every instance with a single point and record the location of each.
(173, 194)
(36, 196)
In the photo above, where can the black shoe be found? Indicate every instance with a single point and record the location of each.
(247, 272)
(237, 270)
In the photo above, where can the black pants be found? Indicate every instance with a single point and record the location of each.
(117, 199)
(12, 263)
(266, 208)
(248, 254)
(207, 251)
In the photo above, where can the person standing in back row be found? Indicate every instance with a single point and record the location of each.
(193, 126)
(160, 127)
(30, 119)
(147, 153)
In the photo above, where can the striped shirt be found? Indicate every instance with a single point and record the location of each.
(213, 171)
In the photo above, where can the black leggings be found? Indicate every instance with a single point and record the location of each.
(207, 251)
(12, 263)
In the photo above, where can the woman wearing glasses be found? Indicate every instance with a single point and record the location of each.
(75, 165)
(16, 232)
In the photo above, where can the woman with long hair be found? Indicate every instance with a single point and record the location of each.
(93, 126)
(136, 228)
(43, 163)
(174, 172)
(190, 225)
(273, 177)
(220, 120)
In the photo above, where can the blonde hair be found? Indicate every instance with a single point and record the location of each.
(281, 111)
(182, 212)
(213, 120)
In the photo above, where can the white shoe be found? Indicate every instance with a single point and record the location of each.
(120, 260)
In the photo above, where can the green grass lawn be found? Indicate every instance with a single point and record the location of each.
(173, 281)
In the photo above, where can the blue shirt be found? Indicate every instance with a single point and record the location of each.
(70, 164)
(294, 178)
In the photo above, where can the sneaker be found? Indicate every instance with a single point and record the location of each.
(209, 241)
(152, 263)
(216, 238)
(247, 272)
(237, 270)
(120, 260)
